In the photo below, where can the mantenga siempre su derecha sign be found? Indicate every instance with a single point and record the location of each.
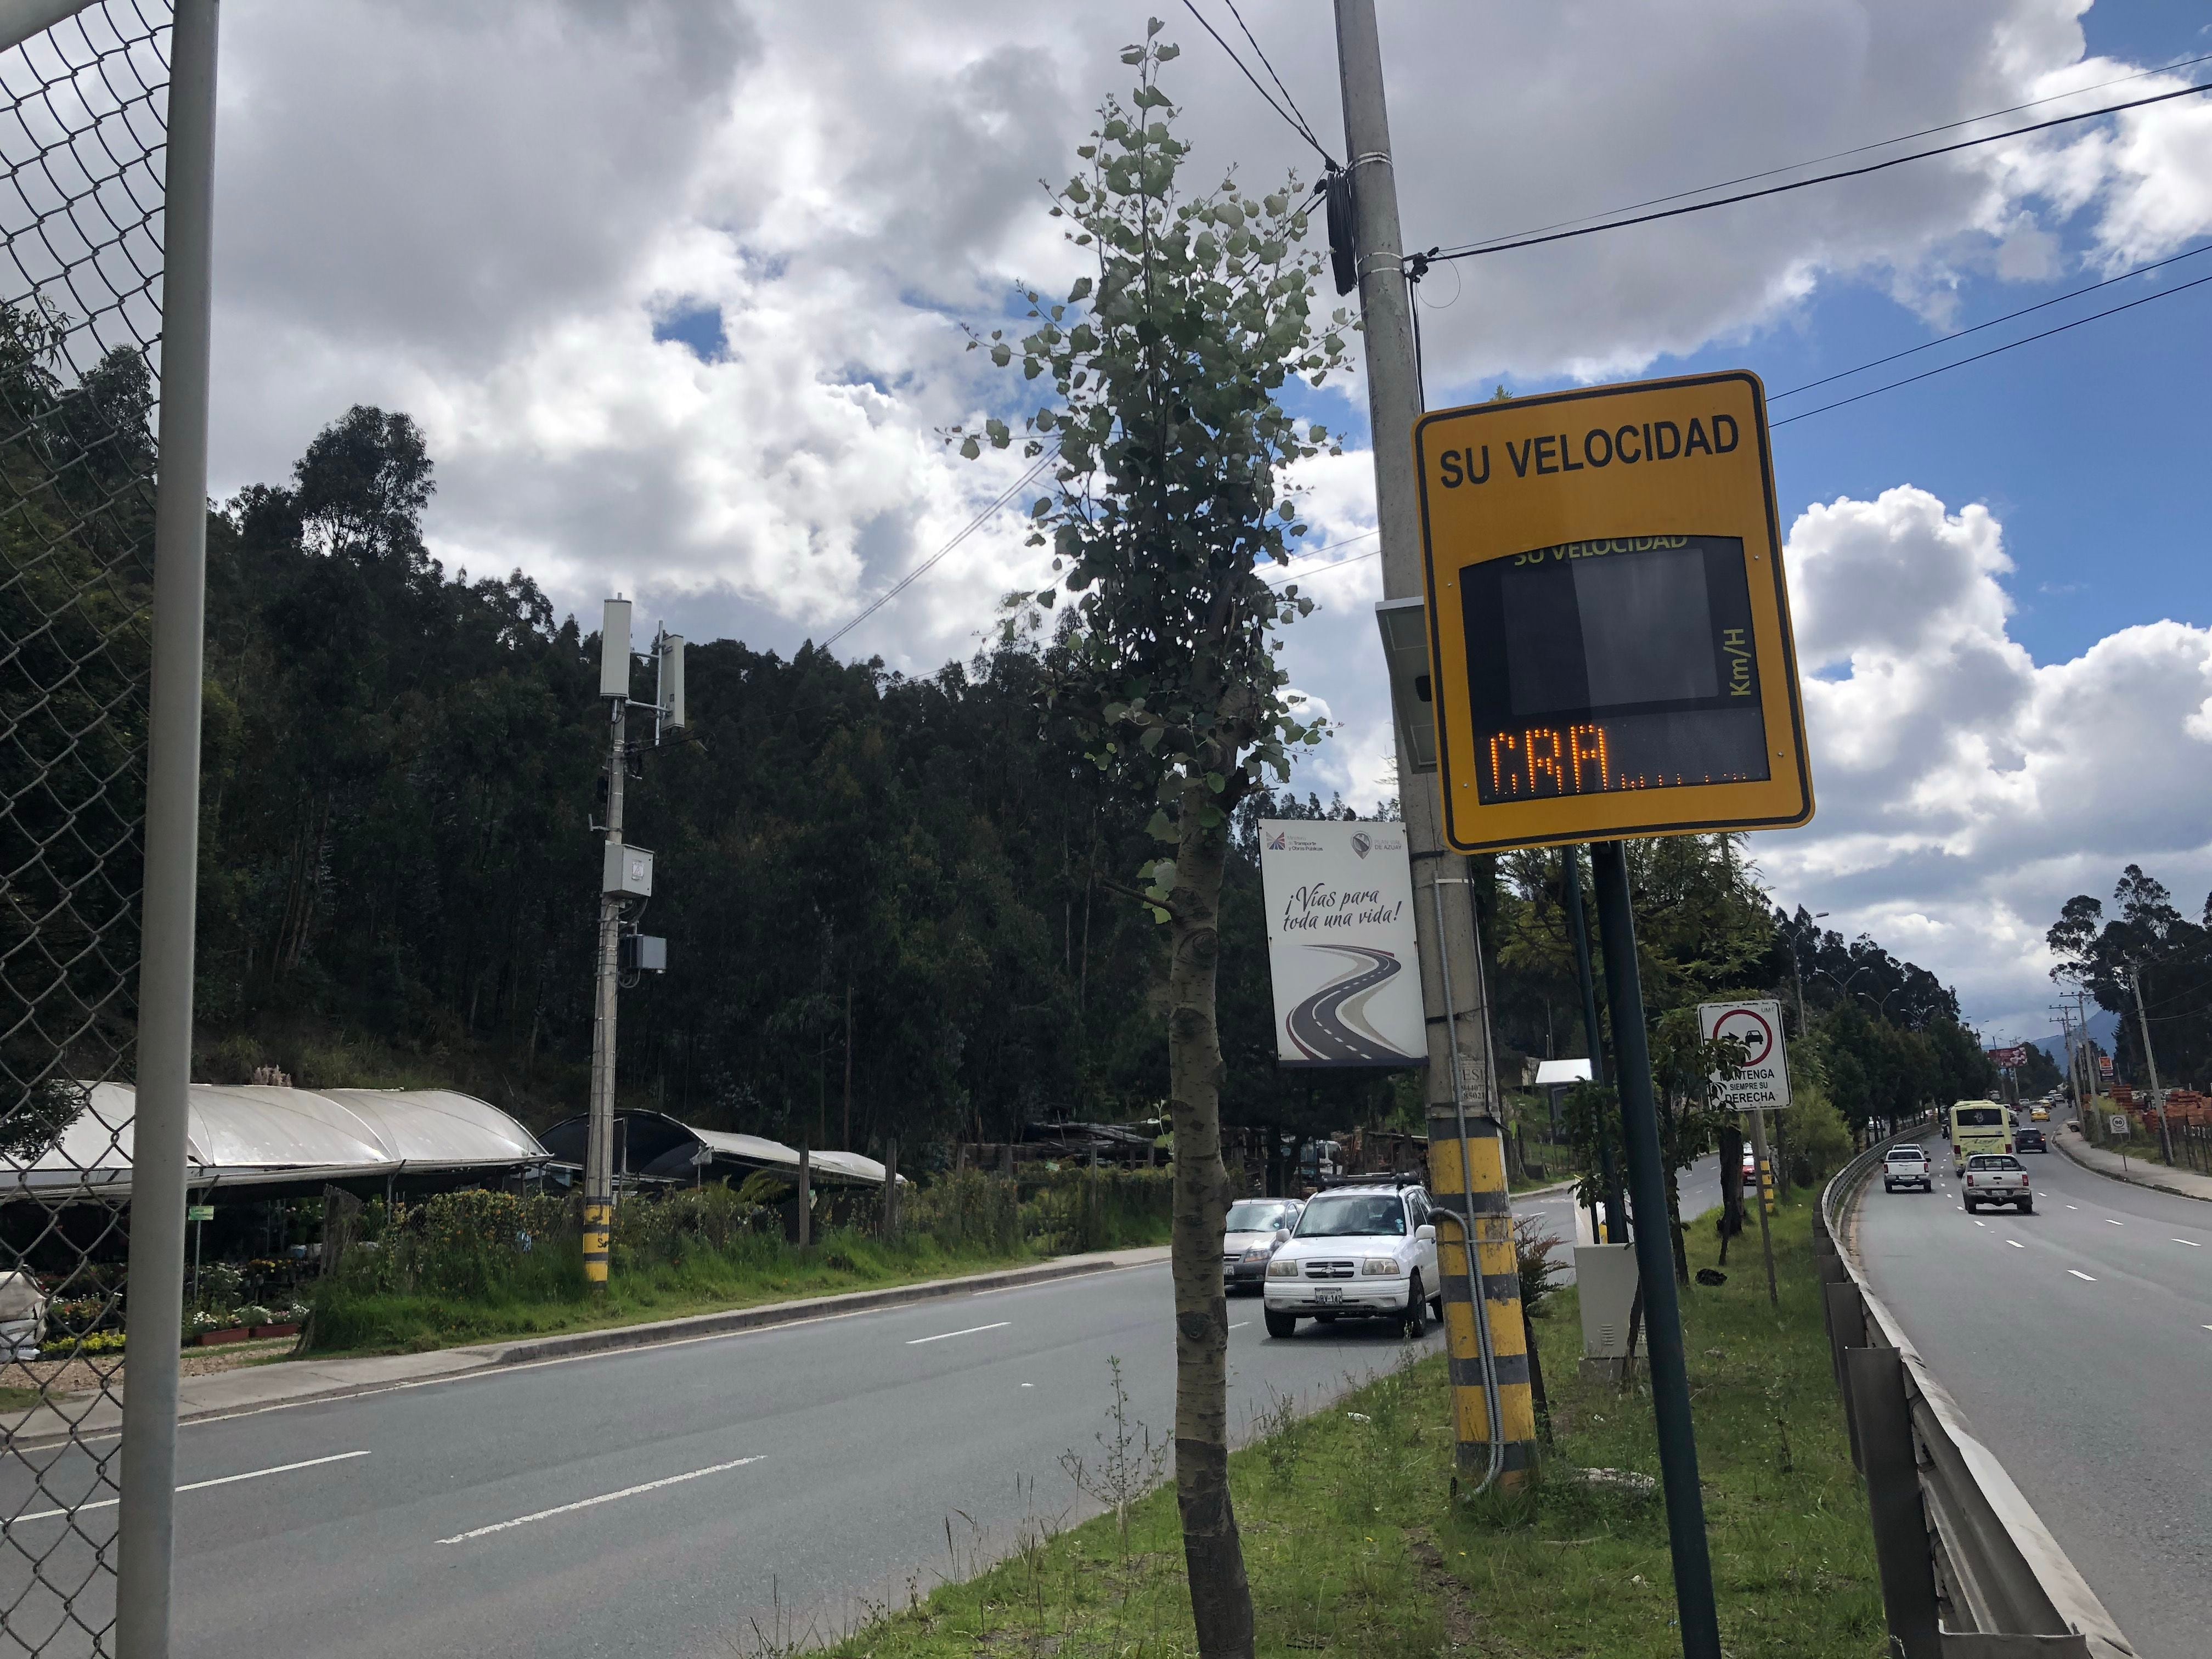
(1609, 638)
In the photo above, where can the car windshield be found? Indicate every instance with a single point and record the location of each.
(1354, 1215)
(1997, 1162)
(1257, 1216)
(1908, 1155)
(1980, 1117)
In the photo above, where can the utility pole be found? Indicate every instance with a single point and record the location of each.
(600, 1139)
(626, 874)
(1485, 1335)
(2150, 1064)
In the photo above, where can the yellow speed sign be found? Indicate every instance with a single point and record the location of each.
(1609, 634)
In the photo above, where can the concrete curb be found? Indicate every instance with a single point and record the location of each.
(261, 1388)
(2074, 1146)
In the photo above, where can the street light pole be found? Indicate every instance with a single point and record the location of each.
(2150, 1063)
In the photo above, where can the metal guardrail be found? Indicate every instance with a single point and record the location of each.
(1968, 1572)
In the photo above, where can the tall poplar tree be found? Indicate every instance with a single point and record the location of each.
(1167, 505)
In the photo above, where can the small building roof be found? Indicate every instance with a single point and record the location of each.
(657, 1147)
(253, 1134)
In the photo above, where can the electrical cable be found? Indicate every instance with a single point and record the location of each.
(1035, 469)
(1296, 123)
(1858, 150)
(1474, 250)
(2010, 316)
(2110, 311)
(1305, 127)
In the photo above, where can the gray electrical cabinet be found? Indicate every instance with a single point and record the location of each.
(628, 872)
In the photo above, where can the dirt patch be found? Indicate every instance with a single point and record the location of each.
(58, 1378)
(1445, 1586)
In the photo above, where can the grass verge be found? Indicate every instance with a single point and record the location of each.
(1354, 1545)
(744, 1275)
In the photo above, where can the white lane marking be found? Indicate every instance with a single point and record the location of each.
(1029, 1385)
(945, 1336)
(2191, 1243)
(195, 1486)
(1978, 1222)
(605, 1497)
(493, 1369)
(1240, 1325)
(2015, 1244)
(2073, 1206)
(2078, 1273)
(2109, 1222)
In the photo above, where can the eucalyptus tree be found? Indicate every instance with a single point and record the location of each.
(1167, 502)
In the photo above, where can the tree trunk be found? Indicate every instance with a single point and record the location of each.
(1213, 1554)
(1731, 1146)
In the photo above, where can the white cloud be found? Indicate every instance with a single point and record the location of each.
(478, 214)
(1966, 791)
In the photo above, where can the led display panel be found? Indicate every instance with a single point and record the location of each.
(1608, 617)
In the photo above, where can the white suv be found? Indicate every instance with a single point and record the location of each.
(1359, 1252)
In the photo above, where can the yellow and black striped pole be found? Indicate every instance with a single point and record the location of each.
(598, 1220)
(1492, 1341)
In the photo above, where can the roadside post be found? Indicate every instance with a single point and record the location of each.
(1610, 658)
(1760, 1085)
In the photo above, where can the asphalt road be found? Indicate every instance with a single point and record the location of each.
(2078, 1341)
(1328, 1026)
(662, 1500)
(1698, 1188)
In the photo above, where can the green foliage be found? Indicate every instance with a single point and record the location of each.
(2170, 954)
(473, 1265)
(1166, 500)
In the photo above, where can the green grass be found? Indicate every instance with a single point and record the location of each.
(548, 1296)
(1354, 1545)
(19, 1400)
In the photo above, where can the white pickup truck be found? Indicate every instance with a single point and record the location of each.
(1907, 1166)
(1998, 1178)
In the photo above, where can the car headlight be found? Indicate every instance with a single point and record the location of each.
(1279, 1268)
(1384, 1267)
(1255, 1255)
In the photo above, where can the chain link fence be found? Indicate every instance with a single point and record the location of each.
(82, 148)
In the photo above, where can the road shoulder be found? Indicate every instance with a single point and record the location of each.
(263, 1387)
(2181, 1183)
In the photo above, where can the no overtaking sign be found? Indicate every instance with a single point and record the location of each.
(1763, 1084)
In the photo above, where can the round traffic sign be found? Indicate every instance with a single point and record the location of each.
(1749, 1029)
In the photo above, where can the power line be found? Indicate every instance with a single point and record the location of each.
(1305, 125)
(1334, 564)
(1837, 156)
(1036, 471)
(2112, 310)
(1296, 123)
(2010, 316)
(1476, 250)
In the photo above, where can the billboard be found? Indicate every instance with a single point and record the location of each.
(2010, 1058)
(1763, 1083)
(1341, 950)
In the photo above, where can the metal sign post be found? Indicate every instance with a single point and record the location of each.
(1760, 1085)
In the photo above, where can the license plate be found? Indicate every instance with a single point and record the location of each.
(1329, 1293)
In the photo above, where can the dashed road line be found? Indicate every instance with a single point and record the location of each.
(2078, 1273)
(1978, 1222)
(195, 1486)
(946, 1336)
(604, 1497)
(2109, 1222)
(2015, 1244)
(2191, 1243)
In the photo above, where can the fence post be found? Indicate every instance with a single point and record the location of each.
(146, 1512)
(1882, 1425)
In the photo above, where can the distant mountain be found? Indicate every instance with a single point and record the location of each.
(2103, 1023)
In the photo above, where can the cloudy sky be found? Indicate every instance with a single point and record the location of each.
(675, 289)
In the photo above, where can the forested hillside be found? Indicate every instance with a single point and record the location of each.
(889, 902)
